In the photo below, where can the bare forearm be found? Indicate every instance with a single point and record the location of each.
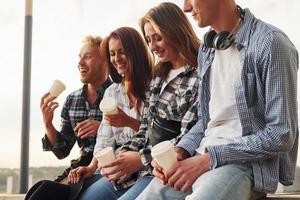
(134, 124)
(93, 164)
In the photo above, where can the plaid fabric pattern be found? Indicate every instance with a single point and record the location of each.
(76, 109)
(266, 96)
(178, 101)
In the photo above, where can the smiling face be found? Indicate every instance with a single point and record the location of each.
(90, 64)
(159, 46)
(118, 57)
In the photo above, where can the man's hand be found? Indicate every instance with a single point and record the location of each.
(158, 171)
(47, 106)
(87, 128)
(75, 174)
(181, 153)
(124, 166)
(184, 173)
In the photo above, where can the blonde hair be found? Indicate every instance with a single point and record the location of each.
(93, 40)
(169, 20)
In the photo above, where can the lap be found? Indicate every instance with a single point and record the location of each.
(157, 191)
(137, 188)
(233, 181)
(101, 189)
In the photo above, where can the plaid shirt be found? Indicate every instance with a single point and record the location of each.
(266, 96)
(76, 109)
(115, 137)
(178, 102)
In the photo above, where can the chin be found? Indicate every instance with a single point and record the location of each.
(83, 80)
(163, 60)
(121, 72)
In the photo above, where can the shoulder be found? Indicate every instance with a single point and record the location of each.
(76, 93)
(73, 97)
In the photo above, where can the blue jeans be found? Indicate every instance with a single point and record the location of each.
(137, 188)
(103, 189)
(233, 181)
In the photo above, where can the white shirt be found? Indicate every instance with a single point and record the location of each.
(224, 124)
(109, 136)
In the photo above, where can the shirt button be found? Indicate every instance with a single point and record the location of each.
(207, 62)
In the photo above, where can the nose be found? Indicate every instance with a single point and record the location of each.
(153, 45)
(187, 7)
(117, 57)
(80, 63)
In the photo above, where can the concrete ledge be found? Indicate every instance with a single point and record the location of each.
(285, 196)
(12, 196)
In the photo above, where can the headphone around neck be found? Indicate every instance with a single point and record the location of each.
(224, 39)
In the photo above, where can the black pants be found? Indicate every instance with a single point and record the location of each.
(48, 190)
(51, 190)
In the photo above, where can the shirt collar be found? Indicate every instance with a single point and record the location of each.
(243, 35)
(100, 90)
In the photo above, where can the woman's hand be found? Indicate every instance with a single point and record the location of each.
(121, 119)
(83, 171)
(158, 172)
(127, 163)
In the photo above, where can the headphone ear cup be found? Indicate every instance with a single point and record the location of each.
(222, 40)
(209, 38)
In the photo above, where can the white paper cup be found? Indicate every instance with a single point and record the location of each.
(105, 156)
(57, 88)
(164, 154)
(108, 106)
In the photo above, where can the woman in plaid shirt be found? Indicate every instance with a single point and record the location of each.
(131, 75)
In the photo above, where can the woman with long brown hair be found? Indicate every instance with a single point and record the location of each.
(172, 98)
(130, 65)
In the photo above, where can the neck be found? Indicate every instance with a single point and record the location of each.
(127, 85)
(176, 64)
(228, 17)
(93, 87)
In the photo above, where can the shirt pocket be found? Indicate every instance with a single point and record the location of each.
(182, 100)
(251, 89)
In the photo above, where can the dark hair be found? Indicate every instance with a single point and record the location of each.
(176, 29)
(140, 61)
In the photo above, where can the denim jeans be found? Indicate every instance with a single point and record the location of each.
(137, 188)
(233, 181)
(103, 189)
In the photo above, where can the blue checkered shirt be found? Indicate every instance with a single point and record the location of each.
(266, 96)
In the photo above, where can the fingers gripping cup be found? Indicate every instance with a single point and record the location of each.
(57, 88)
(164, 154)
(109, 106)
(105, 156)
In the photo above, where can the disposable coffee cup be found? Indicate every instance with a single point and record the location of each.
(108, 106)
(105, 156)
(57, 88)
(164, 154)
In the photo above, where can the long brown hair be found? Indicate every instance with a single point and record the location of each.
(140, 61)
(176, 29)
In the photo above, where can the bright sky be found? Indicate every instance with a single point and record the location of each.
(58, 29)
